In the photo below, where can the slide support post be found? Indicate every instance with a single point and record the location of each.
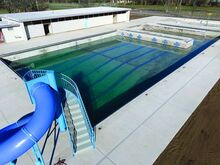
(37, 154)
(53, 84)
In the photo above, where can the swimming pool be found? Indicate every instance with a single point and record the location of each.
(112, 71)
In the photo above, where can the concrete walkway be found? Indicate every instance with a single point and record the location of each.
(135, 134)
(198, 140)
(140, 131)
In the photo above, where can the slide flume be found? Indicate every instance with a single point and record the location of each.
(18, 138)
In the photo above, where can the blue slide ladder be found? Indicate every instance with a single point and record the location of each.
(76, 121)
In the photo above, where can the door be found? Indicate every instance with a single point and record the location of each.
(1, 37)
(46, 29)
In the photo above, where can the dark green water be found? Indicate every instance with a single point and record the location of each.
(105, 70)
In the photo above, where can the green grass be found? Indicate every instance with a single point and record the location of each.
(58, 6)
(185, 10)
(161, 7)
(3, 11)
(199, 11)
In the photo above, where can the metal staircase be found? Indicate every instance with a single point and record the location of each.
(78, 125)
(77, 120)
(82, 136)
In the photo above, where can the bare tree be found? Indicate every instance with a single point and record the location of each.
(166, 4)
(25, 5)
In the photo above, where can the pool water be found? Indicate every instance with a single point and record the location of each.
(107, 70)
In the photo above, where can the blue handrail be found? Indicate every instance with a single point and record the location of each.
(32, 74)
(74, 89)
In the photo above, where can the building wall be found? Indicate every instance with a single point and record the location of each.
(15, 33)
(35, 30)
(58, 27)
(30, 31)
(98, 21)
(124, 17)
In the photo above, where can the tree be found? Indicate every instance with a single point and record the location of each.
(166, 4)
(2, 4)
(25, 5)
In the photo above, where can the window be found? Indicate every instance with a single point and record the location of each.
(36, 22)
(10, 28)
(68, 18)
(27, 23)
(54, 20)
(61, 19)
(46, 21)
(80, 17)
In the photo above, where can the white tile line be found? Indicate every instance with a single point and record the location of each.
(158, 109)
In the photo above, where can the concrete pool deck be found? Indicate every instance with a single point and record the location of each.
(139, 131)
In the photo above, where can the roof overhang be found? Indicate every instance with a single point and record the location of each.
(53, 14)
(5, 24)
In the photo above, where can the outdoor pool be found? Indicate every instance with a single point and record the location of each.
(112, 71)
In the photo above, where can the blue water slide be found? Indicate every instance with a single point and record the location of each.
(18, 138)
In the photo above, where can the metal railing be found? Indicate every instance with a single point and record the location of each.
(67, 83)
(72, 134)
(32, 74)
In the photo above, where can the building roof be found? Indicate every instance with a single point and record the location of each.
(43, 15)
(5, 24)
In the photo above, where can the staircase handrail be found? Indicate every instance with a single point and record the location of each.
(75, 90)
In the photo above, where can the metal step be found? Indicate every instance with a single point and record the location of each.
(76, 117)
(75, 112)
(79, 125)
(78, 120)
(82, 133)
(81, 129)
(74, 106)
(84, 147)
(71, 100)
(83, 140)
(73, 109)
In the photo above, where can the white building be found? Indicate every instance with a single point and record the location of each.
(24, 26)
(7, 25)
